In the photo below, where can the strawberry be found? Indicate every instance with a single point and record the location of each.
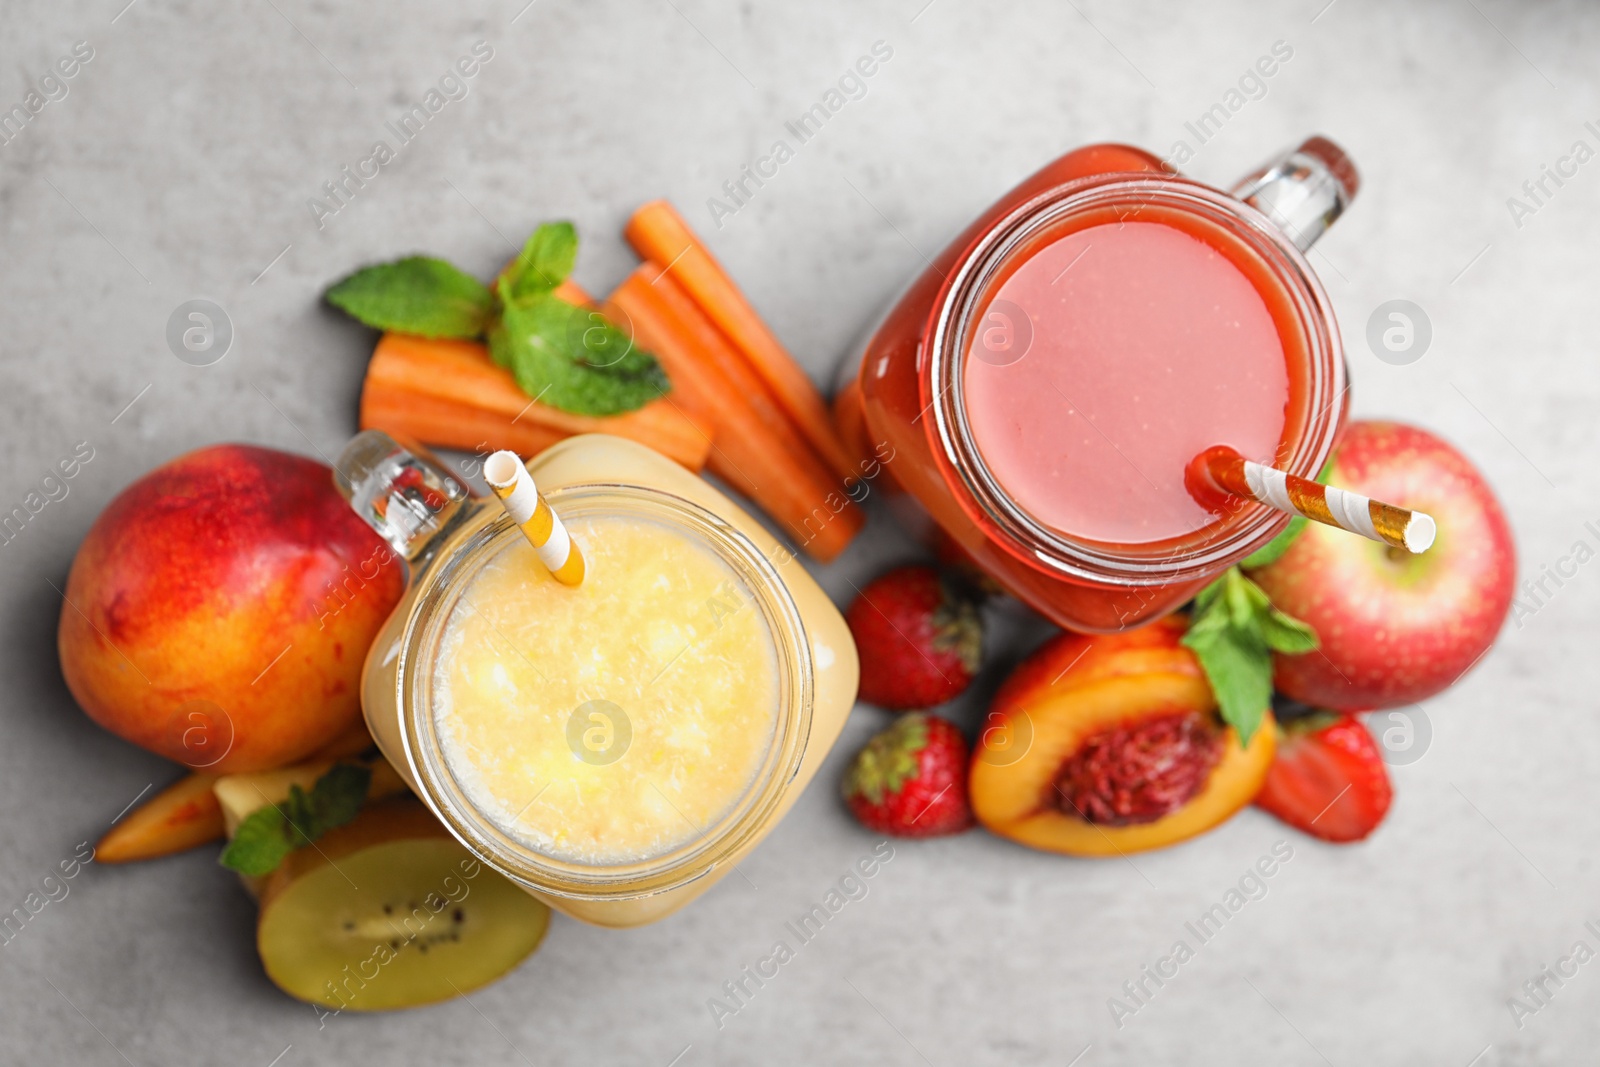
(911, 779)
(920, 640)
(1328, 777)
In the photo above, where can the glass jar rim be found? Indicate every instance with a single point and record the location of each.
(678, 866)
(955, 447)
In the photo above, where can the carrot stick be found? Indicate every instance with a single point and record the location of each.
(398, 410)
(573, 293)
(756, 450)
(725, 365)
(450, 393)
(657, 232)
(181, 816)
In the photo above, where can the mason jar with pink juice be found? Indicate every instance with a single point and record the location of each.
(1045, 384)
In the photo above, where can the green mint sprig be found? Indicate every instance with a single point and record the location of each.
(572, 358)
(419, 295)
(544, 262)
(268, 834)
(1233, 632)
(568, 357)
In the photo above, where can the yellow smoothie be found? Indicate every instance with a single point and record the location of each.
(617, 721)
(476, 717)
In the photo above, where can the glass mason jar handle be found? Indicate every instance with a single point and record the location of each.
(402, 491)
(1303, 190)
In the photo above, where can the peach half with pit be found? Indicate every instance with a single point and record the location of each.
(1107, 745)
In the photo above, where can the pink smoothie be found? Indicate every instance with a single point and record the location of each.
(1147, 347)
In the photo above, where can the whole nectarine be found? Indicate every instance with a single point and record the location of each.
(220, 608)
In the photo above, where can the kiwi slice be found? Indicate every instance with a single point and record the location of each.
(390, 911)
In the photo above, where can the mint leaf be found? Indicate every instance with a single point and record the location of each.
(544, 262)
(337, 796)
(1274, 549)
(1233, 632)
(419, 295)
(1203, 602)
(1287, 634)
(260, 843)
(589, 338)
(1239, 667)
(573, 359)
(1282, 633)
(268, 834)
(1244, 599)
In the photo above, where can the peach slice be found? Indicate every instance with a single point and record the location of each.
(1069, 660)
(180, 817)
(1076, 688)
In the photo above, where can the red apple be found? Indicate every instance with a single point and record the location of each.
(1396, 628)
(219, 610)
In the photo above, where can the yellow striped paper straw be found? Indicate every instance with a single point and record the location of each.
(1230, 472)
(514, 486)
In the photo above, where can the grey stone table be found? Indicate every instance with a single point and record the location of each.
(182, 160)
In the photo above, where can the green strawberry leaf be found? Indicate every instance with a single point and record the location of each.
(889, 759)
(419, 295)
(1233, 632)
(957, 626)
(544, 262)
(572, 358)
(268, 834)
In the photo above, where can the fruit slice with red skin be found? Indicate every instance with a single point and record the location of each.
(1328, 779)
(910, 780)
(920, 640)
(1018, 798)
(1114, 691)
(180, 817)
(1395, 628)
(1071, 659)
(390, 911)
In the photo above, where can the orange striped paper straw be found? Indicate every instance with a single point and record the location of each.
(512, 483)
(1229, 472)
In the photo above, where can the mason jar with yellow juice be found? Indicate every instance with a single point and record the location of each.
(617, 746)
